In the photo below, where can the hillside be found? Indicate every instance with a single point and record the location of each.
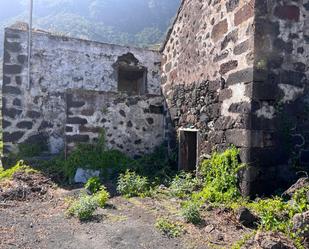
(127, 22)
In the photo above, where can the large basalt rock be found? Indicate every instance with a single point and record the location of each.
(301, 224)
(247, 218)
(301, 183)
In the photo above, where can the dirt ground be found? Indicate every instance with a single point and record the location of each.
(35, 218)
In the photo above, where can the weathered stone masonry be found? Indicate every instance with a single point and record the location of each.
(238, 71)
(234, 70)
(47, 113)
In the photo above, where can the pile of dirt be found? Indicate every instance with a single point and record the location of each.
(25, 186)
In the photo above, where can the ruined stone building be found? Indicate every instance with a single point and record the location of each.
(229, 72)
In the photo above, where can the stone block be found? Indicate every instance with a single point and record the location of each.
(13, 137)
(77, 120)
(12, 69)
(25, 125)
(12, 46)
(11, 112)
(219, 30)
(241, 76)
(231, 5)
(228, 66)
(288, 12)
(33, 114)
(244, 13)
(242, 47)
(11, 90)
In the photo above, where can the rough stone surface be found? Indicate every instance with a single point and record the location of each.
(247, 218)
(57, 65)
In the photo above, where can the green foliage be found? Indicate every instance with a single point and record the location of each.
(169, 228)
(101, 197)
(220, 177)
(183, 185)
(30, 150)
(93, 184)
(300, 199)
(83, 208)
(191, 212)
(156, 166)
(19, 167)
(274, 213)
(130, 184)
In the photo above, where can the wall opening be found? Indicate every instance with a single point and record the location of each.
(131, 75)
(188, 149)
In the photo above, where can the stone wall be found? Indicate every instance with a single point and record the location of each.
(237, 70)
(133, 125)
(37, 112)
(207, 64)
(280, 92)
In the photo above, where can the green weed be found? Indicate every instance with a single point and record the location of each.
(169, 228)
(130, 184)
(93, 184)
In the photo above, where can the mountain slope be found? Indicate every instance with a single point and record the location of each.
(127, 22)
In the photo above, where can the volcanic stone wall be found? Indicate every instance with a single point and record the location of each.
(37, 113)
(207, 64)
(133, 125)
(280, 92)
(237, 70)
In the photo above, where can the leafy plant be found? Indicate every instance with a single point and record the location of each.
(83, 208)
(93, 184)
(301, 200)
(130, 184)
(169, 228)
(20, 166)
(101, 197)
(183, 185)
(220, 177)
(191, 212)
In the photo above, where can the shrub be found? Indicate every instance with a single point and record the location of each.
(182, 185)
(191, 212)
(130, 184)
(83, 208)
(301, 203)
(93, 184)
(169, 228)
(220, 177)
(101, 197)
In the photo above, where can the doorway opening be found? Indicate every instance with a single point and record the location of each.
(188, 149)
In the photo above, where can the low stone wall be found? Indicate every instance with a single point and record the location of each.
(133, 125)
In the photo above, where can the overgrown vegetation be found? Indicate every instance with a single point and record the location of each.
(93, 184)
(20, 166)
(183, 185)
(84, 206)
(130, 184)
(169, 228)
(220, 177)
(191, 212)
